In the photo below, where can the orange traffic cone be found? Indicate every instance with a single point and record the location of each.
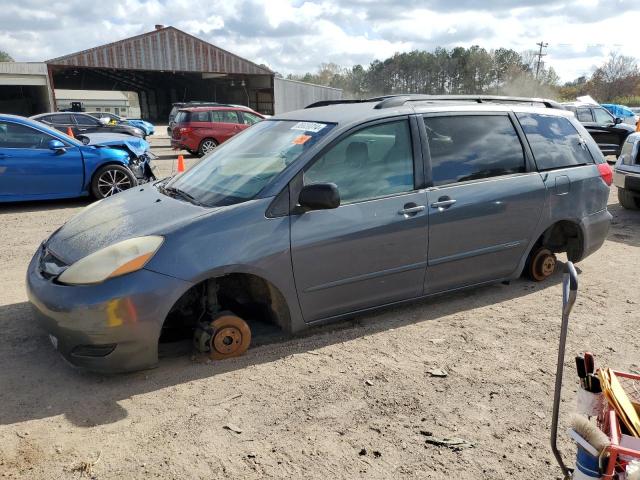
(70, 132)
(180, 163)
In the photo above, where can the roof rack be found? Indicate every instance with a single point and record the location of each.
(324, 103)
(399, 100)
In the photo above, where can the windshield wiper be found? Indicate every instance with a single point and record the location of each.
(173, 191)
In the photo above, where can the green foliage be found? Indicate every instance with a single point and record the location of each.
(5, 57)
(460, 70)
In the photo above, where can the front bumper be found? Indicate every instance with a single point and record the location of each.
(627, 179)
(109, 327)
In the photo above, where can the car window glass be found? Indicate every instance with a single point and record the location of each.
(554, 141)
(473, 147)
(602, 116)
(226, 116)
(14, 135)
(373, 162)
(86, 121)
(182, 116)
(250, 118)
(199, 117)
(584, 115)
(62, 119)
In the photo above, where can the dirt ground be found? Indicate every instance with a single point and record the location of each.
(349, 401)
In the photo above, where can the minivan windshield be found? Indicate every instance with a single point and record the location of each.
(240, 168)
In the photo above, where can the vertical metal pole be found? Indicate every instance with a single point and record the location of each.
(569, 293)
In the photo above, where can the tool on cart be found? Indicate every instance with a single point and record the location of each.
(608, 448)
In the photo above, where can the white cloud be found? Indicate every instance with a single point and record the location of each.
(296, 36)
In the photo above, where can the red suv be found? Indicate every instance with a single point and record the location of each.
(201, 129)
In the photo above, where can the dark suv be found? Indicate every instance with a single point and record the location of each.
(80, 123)
(608, 132)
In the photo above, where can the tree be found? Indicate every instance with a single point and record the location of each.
(5, 57)
(619, 76)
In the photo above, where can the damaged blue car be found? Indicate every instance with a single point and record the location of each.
(41, 163)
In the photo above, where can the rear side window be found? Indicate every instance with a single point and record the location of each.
(584, 115)
(472, 147)
(182, 117)
(554, 141)
(199, 117)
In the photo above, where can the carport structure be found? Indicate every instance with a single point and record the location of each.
(165, 66)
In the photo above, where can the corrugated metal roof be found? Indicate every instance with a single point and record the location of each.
(166, 49)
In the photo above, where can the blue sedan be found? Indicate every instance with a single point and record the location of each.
(38, 163)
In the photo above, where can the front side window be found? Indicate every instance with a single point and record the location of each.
(250, 118)
(13, 135)
(373, 162)
(224, 116)
(602, 116)
(473, 147)
(240, 168)
(584, 115)
(555, 143)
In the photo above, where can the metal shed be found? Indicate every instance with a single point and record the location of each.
(165, 66)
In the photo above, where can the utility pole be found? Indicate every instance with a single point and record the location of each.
(540, 55)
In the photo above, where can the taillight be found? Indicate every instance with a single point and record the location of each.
(183, 130)
(606, 173)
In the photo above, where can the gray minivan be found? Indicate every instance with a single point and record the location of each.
(319, 214)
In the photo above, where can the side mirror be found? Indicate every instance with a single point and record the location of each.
(57, 146)
(84, 139)
(617, 121)
(319, 196)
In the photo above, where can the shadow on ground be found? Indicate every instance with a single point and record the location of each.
(37, 383)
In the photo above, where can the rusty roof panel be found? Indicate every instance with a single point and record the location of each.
(165, 49)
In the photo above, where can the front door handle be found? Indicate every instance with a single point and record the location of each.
(443, 202)
(411, 209)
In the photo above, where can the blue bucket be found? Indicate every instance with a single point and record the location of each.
(586, 464)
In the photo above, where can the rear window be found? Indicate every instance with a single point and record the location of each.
(555, 143)
(473, 147)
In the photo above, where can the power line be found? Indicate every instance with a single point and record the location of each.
(540, 55)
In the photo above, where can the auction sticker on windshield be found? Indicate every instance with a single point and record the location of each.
(309, 126)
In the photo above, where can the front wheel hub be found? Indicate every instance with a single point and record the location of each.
(226, 336)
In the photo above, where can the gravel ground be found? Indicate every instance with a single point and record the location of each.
(354, 400)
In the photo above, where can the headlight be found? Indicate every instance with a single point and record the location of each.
(112, 261)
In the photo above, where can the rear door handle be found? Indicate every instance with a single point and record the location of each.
(411, 210)
(443, 203)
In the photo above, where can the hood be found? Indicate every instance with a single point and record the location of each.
(135, 145)
(134, 213)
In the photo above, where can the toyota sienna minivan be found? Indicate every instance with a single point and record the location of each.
(319, 214)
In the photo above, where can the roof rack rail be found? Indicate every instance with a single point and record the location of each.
(399, 100)
(324, 103)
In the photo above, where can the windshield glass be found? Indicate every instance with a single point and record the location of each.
(237, 170)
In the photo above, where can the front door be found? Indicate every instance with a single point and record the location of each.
(485, 204)
(372, 250)
(28, 167)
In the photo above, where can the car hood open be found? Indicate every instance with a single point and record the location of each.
(134, 213)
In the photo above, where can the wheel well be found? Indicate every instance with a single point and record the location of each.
(207, 138)
(106, 164)
(251, 297)
(563, 236)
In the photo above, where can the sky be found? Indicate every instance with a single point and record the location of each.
(296, 36)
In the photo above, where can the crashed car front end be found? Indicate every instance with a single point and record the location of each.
(141, 159)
